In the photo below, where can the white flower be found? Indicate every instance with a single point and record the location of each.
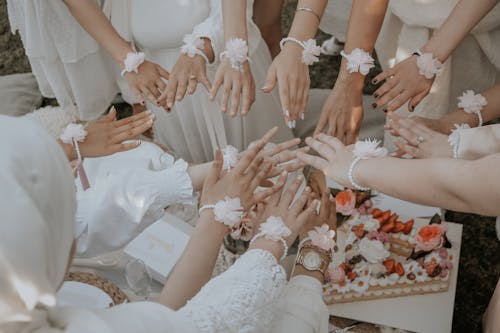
(373, 250)
(428, 66)
(322, 237)
(368, 149)
(191, 45)
(236, 51)
(230, 156)
(371, 224)
(311, 52)
(73, 131)
(359, 61)
(471, 102)
(229, 211)
(133, 61)
(454, 137)
(274, 228)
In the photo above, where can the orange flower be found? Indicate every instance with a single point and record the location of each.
(345, 202)
(430, 237)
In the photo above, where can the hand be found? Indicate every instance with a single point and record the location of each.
(334, 160)
(240, 84)
(327, 215)
(283, 158)
(317, 182)
(106, 135)
(148, 82)
(185, 76)
(434, 144)
(343, 110)
(243, 179)
(293, 82)
(403, 83)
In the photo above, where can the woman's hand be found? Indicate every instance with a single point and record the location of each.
(293, 81)
(106, 135)
(421, 142)
(184, 77)
(239, 86)
(327, 215)
(403, 83)
(243, 179)
(283, 158)
(334, 160)
(148, 82)
(343, 110)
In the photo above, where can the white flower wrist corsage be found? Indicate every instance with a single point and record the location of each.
(321, 237)
(364, 150)
(132, 62)
(274, 229)
(310, 50)
(359, 61)
(428, 66)
(228, 211)
(471, 102)
(237, 53)
(72, 135)
(193, 46)
(230, 157)
(454, 138)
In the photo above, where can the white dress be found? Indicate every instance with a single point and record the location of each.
(157, 27)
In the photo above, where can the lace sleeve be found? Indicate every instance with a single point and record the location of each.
(243, 299)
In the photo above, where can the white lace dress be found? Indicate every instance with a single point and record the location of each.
(157, 27)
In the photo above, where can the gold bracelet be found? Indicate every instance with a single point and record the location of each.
(307, 9)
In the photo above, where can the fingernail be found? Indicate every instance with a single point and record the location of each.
(374, 81)
(290, 124)
(302, 116)
(284, 173)
(374, 105)
(287, 113)
(308, 189)
(385, 110)
(169, 105)
(375, 95)
(179, 98)
(393, 154)
(294, 123)
(412, 108)
(263, 88)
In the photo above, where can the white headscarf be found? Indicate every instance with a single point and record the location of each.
(37, 216)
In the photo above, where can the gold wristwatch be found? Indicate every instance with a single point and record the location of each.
(313, 258)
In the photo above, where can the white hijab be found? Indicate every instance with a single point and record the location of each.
(37, 207)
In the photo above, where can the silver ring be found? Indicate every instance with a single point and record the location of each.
(420, 139)
(193, 77)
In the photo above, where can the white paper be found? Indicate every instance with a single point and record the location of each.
(160, 245)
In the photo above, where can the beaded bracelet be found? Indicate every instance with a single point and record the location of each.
(364, 150)
(73, 134)
(228, 211)
(310, 50)
(471, 102)
(193, 46)
(274, 229)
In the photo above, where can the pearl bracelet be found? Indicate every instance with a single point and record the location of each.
(364, 150)
(471, 102)
(428, 66)
(310, 50)
(193, 46)
(355, 185)
(358, 61)
(274, 229)
(132, 62)
(228, 211)
(454, 138)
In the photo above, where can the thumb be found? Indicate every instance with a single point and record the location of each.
(215, 170)
(111, 116)
(270, 80)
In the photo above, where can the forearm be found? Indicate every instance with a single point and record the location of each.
(235, 20)
(196, 264)
(466, 186)
(198, 173)
(93, 20)
(464, 17)
(305, 24)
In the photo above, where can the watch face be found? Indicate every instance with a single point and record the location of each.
(312, 260)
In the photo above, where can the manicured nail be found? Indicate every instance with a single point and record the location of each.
(302, 116)
(308, 189)
(287, 113)
(385, 110)
(374, 81)
(169, 105)
(294, 123)
(374, 105)
(412, 107)
(375, 95)
(290, 124)
(393, 154)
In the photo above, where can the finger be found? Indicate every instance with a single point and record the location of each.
(332, 218)
(181, 89)
(226, 91)
(247, 100)
(141, 115)
(323, 121)
(298, 205)
(154, 90)
(397, 102)
(254, 167)
(161, 86)
(304, 100)
(390, 95)
(317, 162)
(415, 127)
(235, 98)
(136, 122)
(251, 153)
(306, 213)
(274, 199)
(125, 146)
(260, 196)
(281, 147)
(398, 153)
(110, 117)
(290, 192)
(132, 133)
(171, 92)
(192, 83)
(163, 73)
(386, 87)
(324, 211)
(138, 94)
(214, 173)
(383, 76)
(331, 141)
(408, 149)
(149, 95)
(415, 100)
(205, 81)
(284, 98)
(293, 88)
(219, 80)
(270, 80)
(260, 176)
(323, 149)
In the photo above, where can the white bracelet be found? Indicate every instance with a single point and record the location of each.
(193, 46)
(359, 61)
(72, 134)
(310, 50)
(237, 53)
(274, 229)
(471, 102)
(428, 66)
(454, 138)
(364, 150)
(132, 62)
(228, 211)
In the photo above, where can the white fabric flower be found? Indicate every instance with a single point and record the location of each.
(322, 237)
(373, 250)
(311, 52)
(229, 211)
(368, 149)
(359, 61)
(428, 65)
(230, 156)
(73, 131)
(133, 61)
(236, 51)
(471, 102)
(274, 228)
(191, 45)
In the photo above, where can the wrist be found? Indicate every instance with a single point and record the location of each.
(352, 81)
(274, 247)
(207, 219)
(69, 150)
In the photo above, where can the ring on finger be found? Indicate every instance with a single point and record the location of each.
(193, 77)
(420, 139)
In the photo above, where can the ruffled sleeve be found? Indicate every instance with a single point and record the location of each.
(126, 202)
(304, 310)
(243, 299)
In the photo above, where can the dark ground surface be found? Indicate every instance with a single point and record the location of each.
(480, 256)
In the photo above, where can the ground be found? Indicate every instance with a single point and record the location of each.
(480, 259)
